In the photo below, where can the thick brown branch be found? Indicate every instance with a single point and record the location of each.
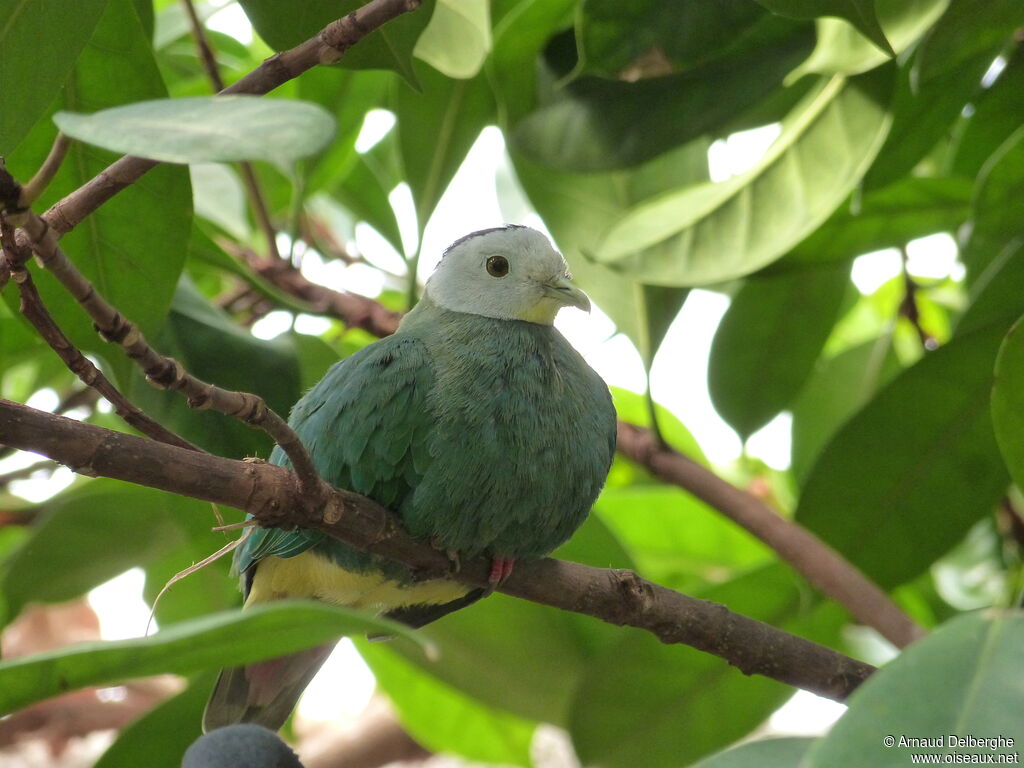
(357, 311)
(165, 372)
(35, 312)
(326, 47)
(829, 571)
(266, 490)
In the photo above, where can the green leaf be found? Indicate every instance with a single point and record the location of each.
(595, 124)
(227, 639)
(364, 192)
(998, 112)
(521, 30)
(436, 128)
(675, 539)
(160, 737)
(836, 390)
(636, 409)
(998, 207)
(614, 37)
(457, 39)
(97, 530)
(577, 207)
(712, 232)
(921, 694)
(924, 443)
(207, 129)
(206, 341)
(964, 32)
(284, 25)
(1008, 401)
(995, 296)
(39, 43)
(442, 718)
(842, 49)
(766, 345)
(924, 111)
(860, 13)
(650, 704)
(765, 753)
(133, 248)
(886, 218)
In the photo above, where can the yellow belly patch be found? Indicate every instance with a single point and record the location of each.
(310, 576)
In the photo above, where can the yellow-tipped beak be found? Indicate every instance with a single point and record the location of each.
(568, 295)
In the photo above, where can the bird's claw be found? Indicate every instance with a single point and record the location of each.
(501, 569)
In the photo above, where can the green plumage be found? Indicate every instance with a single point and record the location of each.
(489, 436)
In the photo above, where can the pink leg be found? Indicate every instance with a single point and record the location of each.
(501, 569)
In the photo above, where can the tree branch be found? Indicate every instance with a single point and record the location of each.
(267, 491)
(34, 310)
(165, 372)
(326, 47)
(825, 568)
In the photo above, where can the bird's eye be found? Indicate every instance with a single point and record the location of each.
(497, 266)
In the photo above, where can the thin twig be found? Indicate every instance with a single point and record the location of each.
(269, 493)
(35, 312)
(249, 180)
(37, 184)
(24, 472)
(165, 372)
(356, 311)
(825, 568)
(326, 47)
(909, 307)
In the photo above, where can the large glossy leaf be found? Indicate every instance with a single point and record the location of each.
(886, 218)
(458, 37)
(923, 694)
(206, 129)
(766, 345)
(521, 30)
(1008, 402)
(675, 539)
(95, 531)
(442, 718)
(226, 639)
(39, 42)
(615, 37)
(995, 296)
(436, 127)
(576, 207)
(712, 232)
(646, 703)
(132, 248)
(597, 124)
(160, 737)
(923, 444)
(836, 389)
(998, 207)
(843, 49)
(217, 350)
(765, 753)
(998, 112)
(284, 25)
(965, 31)
(861, 14)
(925, 110)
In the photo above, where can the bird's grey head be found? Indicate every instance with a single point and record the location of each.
(509, 273)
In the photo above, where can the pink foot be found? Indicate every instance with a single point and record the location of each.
(501, 569)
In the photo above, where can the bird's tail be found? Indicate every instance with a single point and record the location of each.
(263, 693)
